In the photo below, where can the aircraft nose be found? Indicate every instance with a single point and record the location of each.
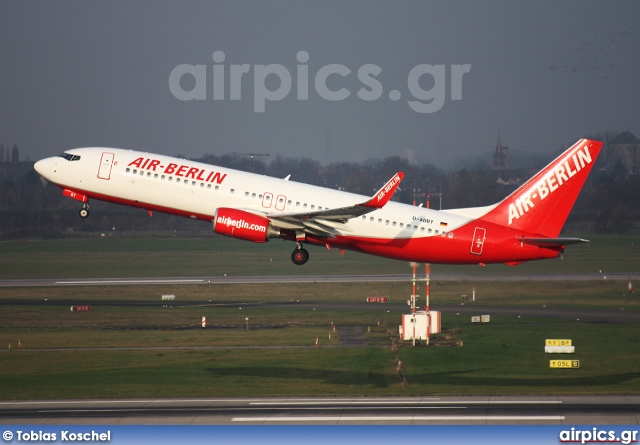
(39, 166)
(44, 167)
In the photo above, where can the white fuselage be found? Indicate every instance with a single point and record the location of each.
(197, 190)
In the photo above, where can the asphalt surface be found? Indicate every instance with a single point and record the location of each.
(517, 410)
(131, 281)
(470, 309)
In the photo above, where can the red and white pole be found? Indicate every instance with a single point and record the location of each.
(427, 270)
(414, 292)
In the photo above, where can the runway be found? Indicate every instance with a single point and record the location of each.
(518, 410)
(267, 279)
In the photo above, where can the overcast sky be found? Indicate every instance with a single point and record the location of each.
(539, 73)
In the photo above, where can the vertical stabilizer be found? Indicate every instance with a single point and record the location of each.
(542, 205)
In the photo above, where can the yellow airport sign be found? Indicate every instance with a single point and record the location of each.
(568, 364)
(557, 342)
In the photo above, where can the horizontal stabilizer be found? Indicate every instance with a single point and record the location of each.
(552, 242)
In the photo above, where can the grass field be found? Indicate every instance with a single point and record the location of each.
(64, 354)
(215, 256)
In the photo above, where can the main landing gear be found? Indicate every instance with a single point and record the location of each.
(299, 256)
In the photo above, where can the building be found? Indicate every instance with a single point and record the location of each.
(15, 154)
(501, 157)
(624, 150)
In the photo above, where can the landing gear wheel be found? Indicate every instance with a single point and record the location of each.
(299, 256)
(84, 213)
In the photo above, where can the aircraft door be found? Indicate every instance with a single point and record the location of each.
(266, 200)
(106, 162)
(478, 240)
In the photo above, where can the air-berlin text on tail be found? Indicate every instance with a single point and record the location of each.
(558, 175)
(389, 187)
(184, 171)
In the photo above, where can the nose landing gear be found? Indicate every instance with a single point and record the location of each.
(84, 211)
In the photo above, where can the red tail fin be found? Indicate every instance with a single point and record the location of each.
(542, 204)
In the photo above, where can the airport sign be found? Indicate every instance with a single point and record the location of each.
(566, 364)
(558, 342)
(377, 299)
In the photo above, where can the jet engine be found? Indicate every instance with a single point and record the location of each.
(244, 225)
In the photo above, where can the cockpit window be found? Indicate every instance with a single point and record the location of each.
(69, 157)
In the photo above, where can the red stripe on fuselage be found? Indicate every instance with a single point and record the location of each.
(143, 205)
(500, 246)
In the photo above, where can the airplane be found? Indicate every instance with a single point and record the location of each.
(524, 226)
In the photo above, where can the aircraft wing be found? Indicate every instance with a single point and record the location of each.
(329, 222)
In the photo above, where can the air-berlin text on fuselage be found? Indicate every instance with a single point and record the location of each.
(184, 171)
(554, 179)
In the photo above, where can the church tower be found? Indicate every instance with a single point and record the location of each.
(501, 157)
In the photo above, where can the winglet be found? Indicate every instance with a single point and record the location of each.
(385, 193)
